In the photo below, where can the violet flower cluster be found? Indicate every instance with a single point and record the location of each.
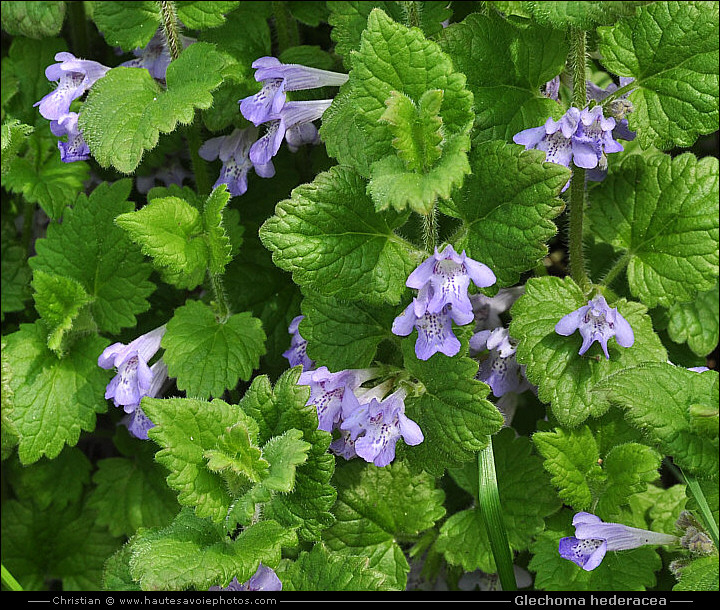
(135, 379)
(581, 137)
(593, 539)
(285, 119)
(264, 579)
(74, 77)
(442, 283)
(597, 321)
(369, 422)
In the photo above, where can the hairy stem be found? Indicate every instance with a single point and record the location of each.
(220, 302)
(578, 58)
(430, 230)
(285, 26)
(491, 511)
(171, 28)
(412, 13)
(616, 269)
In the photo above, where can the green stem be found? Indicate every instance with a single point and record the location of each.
(491, 512)
(578, 53)
(430, 230)
(285, 26)
(704, 508)
(222, 308)
(616, 269)
(412, 15)
(8, 580)
(170, 28)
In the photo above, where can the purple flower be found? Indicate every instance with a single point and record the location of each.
(233, 152)
(487, 310)
(582, 138)
(155, 57)
(552, 89)
(75, 148)
(74, 76)
(434, 330)
(449, 274)
(297, 353)
(698, 369)
(376, 426)
(290, 118)
(597, 321)
(134, 377)
(264, 579)
(500, 370)
(593, 539)
(327, 391)
(277, 78)
(137, 422)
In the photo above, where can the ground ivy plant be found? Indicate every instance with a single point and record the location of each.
(360, 296)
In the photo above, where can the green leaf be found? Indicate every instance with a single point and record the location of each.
(42, 546)
(33, 19)
(622, 571)
(236, 451)
(378, 506)
(87, 247)
(187, 429)
(193, 552)
(16, 275)
(126, 110)
(663, 213)
(394, 100)
(571, 458)
(14, 135)
(392, 185)
(127, 25)
(58, 482)
(218, 241)
(281, 409)
(526, 497)
(131, 493)
(701, 574)
(285, 453)
(41, 177)
(671, 49)
(628, 468)
(565, 379)
(53, 399)
(453, 413)
(198, 15)
(506, 64)
(344, 334)
(207, 356)
(170, 230)
(507, 206)
(696, 323)
(657, 398)
(585, 15)
(323, 570)
(349, 20)
(330, 238)
(58, 300)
